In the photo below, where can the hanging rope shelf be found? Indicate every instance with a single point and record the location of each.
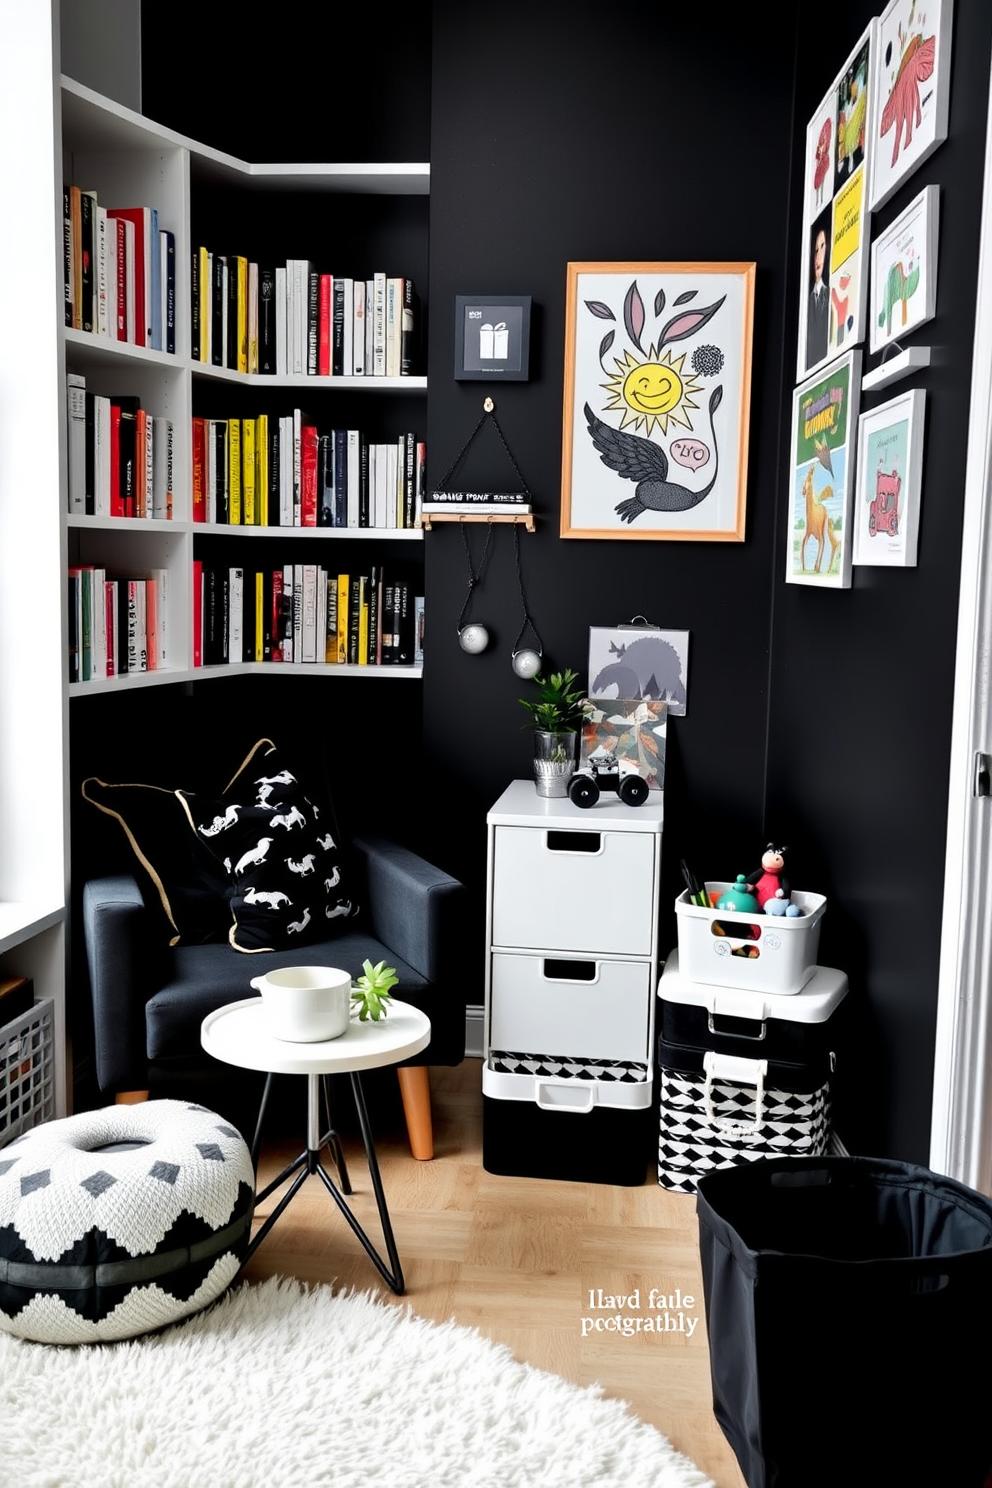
(523, 518)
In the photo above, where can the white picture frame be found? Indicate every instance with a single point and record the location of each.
(837, 184)
(889, 483)
(912, 88)
(821, 475)
(904, 272)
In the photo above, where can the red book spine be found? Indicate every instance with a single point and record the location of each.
(110, 611)
(197, 612)
(277, 614)
(116, 499)
(199, 470)
(151, 624)
(308, 476)
(137, 216)
(324, 327)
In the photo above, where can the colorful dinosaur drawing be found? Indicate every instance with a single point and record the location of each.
(898, 287)
(902, 107)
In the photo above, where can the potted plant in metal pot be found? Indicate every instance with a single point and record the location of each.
(556, 718)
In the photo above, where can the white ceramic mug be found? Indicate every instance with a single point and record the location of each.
(306, 1004)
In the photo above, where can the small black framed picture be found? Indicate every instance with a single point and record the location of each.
(492, 338)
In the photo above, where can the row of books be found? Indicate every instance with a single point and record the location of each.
(281, 471)
(293, 319)
(477, 503)
(299, 613)
(120, 456)
(119, 271)
(116, 625)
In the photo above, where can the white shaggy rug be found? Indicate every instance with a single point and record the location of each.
(281, 1386)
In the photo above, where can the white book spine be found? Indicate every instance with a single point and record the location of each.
(162, 469)
(76, 407)
(309, 607)
(235, 614)
(286, 471)
(161, 577)
(297, 467)
(289, 601)
(369, 321)
(211, 481)
(149, 278)
(280, 303)
(101, 456)
(99, 623)
(354, 487)
(149, 458)
(394, 486)
(348, 361)
(394, 312)
(379, 326)
(321, 623)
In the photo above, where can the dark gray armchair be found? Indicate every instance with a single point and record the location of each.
(149, 1000)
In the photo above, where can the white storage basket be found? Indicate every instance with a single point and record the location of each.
(762, 953)
(27, 1071)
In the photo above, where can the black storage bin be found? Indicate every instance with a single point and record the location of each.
(849, 1309)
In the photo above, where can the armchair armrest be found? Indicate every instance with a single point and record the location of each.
(116, 930)
(416, 909)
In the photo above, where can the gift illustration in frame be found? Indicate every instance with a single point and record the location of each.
(492, 338)
(912, 90)
(821, 472)
(890, 472)
(904, 272)
(655, 416)
(835, 216)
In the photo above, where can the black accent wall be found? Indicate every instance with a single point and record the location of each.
(585, 132)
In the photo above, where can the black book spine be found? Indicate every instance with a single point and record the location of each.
(404, 625)
(194, 294)
(231, 350)
(169, 270)
(363, 483)
(408, 330)
(128, 453)
(325, 480)
(340, 478)
(375, 598)
(409, 476)
(337, 329)
(86, 205)
(217, 347)
(222, 492)
(72, 617)
(267, 322)
(267, 615)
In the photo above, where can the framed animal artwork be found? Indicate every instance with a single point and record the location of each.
(655, 417)
(890, 476)
(904, 272)
(821, 474)
(834, 267)
(639, 662)
(913, 89)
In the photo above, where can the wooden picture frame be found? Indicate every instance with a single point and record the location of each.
(821, 475)
(912, 90)
(904, 272)
(834, 270)
(656, 400)
(492, 338)
(890, 478)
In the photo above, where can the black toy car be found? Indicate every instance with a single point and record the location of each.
(601, 772)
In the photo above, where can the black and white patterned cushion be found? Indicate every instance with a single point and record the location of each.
(118, 1221)
(280, 851)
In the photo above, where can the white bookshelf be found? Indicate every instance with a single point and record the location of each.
(130, 160)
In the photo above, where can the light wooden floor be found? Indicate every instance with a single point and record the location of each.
(517, 1258)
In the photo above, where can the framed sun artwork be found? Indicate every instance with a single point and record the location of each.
(655, 416)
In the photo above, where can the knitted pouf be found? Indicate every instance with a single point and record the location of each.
(118, 1221)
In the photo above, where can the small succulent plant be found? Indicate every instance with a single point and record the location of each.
(557, 707)
(370, 993)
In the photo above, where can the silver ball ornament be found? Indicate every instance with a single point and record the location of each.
(526, 663)
(473, 639)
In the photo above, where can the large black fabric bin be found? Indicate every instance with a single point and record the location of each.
(849, 1309)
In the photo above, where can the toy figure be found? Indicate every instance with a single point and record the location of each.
(767, 881)
(738, 897)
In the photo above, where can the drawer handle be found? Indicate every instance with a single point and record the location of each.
(565, 1098)
(574, 842)
(569, 971)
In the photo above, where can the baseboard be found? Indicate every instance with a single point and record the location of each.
(474, 1031)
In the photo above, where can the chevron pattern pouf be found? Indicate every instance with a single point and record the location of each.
(119, 1221)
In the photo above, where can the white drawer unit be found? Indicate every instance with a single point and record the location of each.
(571, 976)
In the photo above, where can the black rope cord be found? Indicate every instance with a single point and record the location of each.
(488, 414)
(528, 620)
(474, 574)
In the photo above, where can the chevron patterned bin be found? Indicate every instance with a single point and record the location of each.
(742, 1075)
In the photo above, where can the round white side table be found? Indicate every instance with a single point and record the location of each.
(238, 1034)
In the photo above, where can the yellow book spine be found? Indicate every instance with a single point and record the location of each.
(259, 616)
(262, 469)
(234, 472)
(205, 306)
(331, 620)
(248, 471)
(344, 593)
(242, 314)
